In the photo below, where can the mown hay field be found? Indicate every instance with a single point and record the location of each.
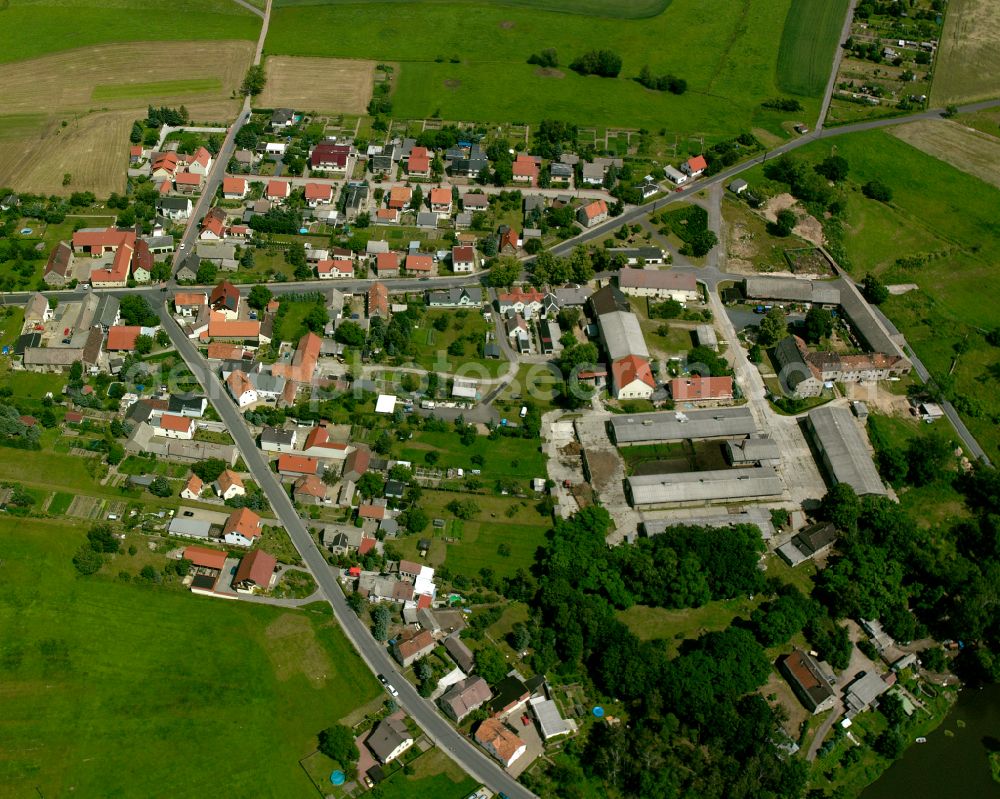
(965, 148)
(339, 86)
(968, 67)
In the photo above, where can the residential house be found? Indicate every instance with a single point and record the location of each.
(163, 167)
(475, 202)
(593, 213)
(500, 741)
(187, 404)
(229, 485)
(241, 389)
(242, 528)
(399, 197)
(387, 216)
(419, 163)
(290, 465)
(329, 157)
(193, 488)
(701, 389)
(356, 199)
(517, 331)
(378, 300)
(463, 259)
(282, 118)
(190, 303)
(332, 269)
(278, 190)
(37, 309)
(507, 242)
(170, 425)
(187, 182)
(142, 262)
(176, 209)
(319, 445)
(460, 653)
(695, 166)
(560, 173)
(523, 301)
(525, 169)
(389, 739)
(675, 176)
(592, 174)
(356, 464)
(464, 697)
(632, 378)
(59, 268)
(471, 297)
(273, 439)
(417, 264)
(255, 572)
(661, 284)
(648, 256)
(318, 193)
(234, 188)
(440, 200)
(309, 490)
(810, 684)
(121, 338)
(225, 299)
(407, 649)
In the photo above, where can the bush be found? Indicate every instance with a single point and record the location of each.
(604, 63)
(877, 190)
(87, 561)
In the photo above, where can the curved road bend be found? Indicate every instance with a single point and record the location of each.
(471, 759)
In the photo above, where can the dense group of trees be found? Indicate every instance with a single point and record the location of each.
(690, 225)
(14, 432)
(661, 83)
(605, 63)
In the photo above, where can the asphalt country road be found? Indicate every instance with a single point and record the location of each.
(471, 759)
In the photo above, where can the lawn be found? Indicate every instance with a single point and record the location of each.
(11, 322)
(808, 42)
(119, 91)
(60, 503)
(116, 689)
(507, 458)
(673, 626)
(475, 543)
(291, 324)
(468, 61)
(429, 346)
(538, 382)
(434, 774)
(32, 28)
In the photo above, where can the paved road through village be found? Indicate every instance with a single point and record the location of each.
(374, 654)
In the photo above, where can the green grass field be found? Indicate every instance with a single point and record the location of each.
(116, 689)
(673, 626)
(621, 9)
(808, 42)
(32, 28)
(291, 325)
(17, 126)
(119, 91)
(430, 346)
(729, 58)
(509, 458)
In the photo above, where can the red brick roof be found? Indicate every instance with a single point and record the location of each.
(386, 260)
(278, 188)
(399, 196)
(694, 388)
(318, 191)
(697, 163)
(179, 424)
(187, 179)
(121, 337)
(257, 567)
(441, 196)
(194, 484)
(183, 298)
(596, 208)
(311, 486)
(630, 368)
(419, 263)
(340, 266)
(205, 557)
(463, 254)
(234, 186)
(228, 479)
(243, 521)
(297, 464)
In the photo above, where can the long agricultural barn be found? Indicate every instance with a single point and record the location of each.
(659, 428)
(843, 450)
(697, 488)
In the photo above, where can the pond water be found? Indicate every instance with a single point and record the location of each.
(953, 762)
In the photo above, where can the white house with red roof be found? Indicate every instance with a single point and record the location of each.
(334, 268)
(193, 488)
(632, 378)
(418, 264)
(242, 528)
(198, 163)
(593, 213)
(441, 202)
(695, 166)
(241, 389)
(188, 182)
(318, 194)
(319, 445)
(164, 166)
(234, 188)
(278, 190)
(170, 425)
(228, 485)
(523, 301)
(463, 259)
(419, 163)
(525, 169)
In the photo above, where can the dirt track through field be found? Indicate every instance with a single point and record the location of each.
(331, 85)
(965, 148)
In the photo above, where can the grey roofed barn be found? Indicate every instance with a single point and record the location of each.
(844, 450)
(622, 335)
(791, 289)
(649, 428)
(712, 486)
